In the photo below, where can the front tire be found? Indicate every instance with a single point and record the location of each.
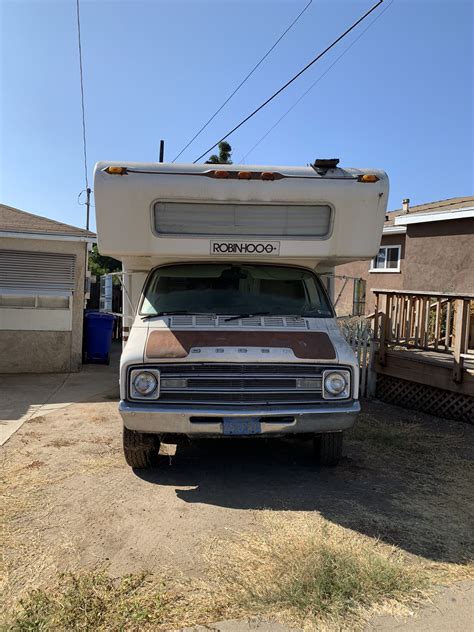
(328, 448)
(140, 449)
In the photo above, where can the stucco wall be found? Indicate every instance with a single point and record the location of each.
(46, 351)
(36, 352)
(440, 256)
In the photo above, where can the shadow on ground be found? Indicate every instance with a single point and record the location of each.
(406, 478)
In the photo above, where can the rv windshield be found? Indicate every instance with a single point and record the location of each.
(235, 289)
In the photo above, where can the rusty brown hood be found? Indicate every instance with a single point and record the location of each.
(177, 343)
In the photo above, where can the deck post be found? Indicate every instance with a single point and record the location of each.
(460, 338)
(384, 324)
(371, 370)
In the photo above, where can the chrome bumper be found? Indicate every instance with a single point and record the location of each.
(197, 421)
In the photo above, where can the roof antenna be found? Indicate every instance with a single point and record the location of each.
(162, 150)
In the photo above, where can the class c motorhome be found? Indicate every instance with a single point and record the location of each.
(232, 328)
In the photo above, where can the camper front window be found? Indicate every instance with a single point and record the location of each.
(235, 289)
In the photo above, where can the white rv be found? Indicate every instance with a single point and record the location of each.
(233, 332)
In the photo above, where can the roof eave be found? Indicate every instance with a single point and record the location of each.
(394, 230)
(48, 236)
(439, 216)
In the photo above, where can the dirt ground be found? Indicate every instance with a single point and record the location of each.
(71, 502)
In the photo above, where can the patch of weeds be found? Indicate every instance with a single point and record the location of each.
(309, 570)
(97, 419)
(34, 465)
(37, 420)
(92, 601)
(61, 443)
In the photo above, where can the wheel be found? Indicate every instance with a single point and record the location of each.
(328, 448)
(140, 449)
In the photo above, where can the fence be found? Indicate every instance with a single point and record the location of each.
(425, 321)
(359, 333)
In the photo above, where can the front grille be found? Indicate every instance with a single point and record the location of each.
(247, 383)
(232, 384)
(240, 398)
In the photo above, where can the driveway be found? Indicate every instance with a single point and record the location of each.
(24, 397)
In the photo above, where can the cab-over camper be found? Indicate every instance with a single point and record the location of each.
(232, 329)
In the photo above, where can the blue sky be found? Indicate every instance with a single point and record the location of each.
(401, 99)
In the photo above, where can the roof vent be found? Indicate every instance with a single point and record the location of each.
(322, 165)
(406, 205)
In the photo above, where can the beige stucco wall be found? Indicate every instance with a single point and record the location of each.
(440, 256)
(46, 351)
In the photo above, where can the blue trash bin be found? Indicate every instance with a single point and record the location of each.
(99, 327)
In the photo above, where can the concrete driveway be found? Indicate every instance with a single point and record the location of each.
(26, 396)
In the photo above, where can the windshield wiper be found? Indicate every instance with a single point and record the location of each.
(179, 312)
(246, 316)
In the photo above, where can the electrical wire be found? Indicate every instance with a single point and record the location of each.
(84, 142)
(317, 81)
(275, 94)
(275, 44)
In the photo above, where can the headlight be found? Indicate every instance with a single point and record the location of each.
(144, 384)
(336, 384)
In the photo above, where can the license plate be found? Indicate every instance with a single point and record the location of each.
(241, 426)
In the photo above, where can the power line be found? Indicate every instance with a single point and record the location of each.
(316, 82)
(275, 94)
(84, 143)
(243, 80)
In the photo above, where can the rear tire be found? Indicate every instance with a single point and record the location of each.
(328, 448)
(140, 449)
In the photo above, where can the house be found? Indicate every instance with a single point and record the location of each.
(42, 293)
(428, 247)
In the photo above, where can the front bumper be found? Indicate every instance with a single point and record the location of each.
(207, 422)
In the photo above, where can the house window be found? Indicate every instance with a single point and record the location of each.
(388, 259)
(34, 301)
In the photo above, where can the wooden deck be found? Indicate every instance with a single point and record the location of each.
(431, 368)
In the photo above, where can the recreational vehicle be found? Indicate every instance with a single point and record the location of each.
(229, 326)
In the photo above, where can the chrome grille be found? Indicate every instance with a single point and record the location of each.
(239, 397)
(231, 384)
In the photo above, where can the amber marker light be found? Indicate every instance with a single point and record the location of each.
(369, 177)
(244, 175)
(116, 171)
(267, 175)
(221, 174)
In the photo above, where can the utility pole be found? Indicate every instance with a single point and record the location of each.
(162, 150)
(88, 206)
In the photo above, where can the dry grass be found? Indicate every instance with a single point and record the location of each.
(61, 443)
(309, 572)
(25, 511)
(426, 506)
(302, 570)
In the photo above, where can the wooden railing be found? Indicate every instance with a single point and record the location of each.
(426, 321)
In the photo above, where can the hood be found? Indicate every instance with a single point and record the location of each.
(256, 339)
